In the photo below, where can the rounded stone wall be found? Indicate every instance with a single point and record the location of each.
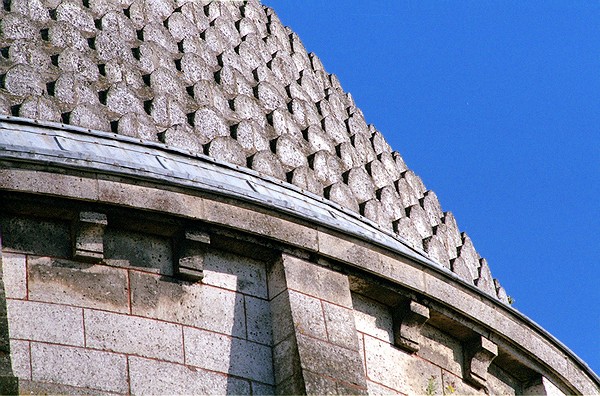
(191, 204)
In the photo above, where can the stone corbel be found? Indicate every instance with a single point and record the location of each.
(88, 236)
(190, 249)
(479, 354)
(408, 321)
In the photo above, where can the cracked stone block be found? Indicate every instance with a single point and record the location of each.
(380, 176)
(181, 25)
(157, 33)
(283, 68)
(40, 108)
(406, 230)
(335, 129)
(90, 116)
(23, 80)
(304, 113)
(432, 208)
(268, 163)
(485, 281)
(420, 222)
(327, 167)
(348, 155)
(137, 125)
(283, 123)
(234, 82)
(341, 194)
(318, 140)
(118, 23)
(408, 196)
(121, 100)
(379, 143)
(226, 149)
(389, 165)
(32, 9)
(390, 201)
(363, 147)
(270, 97)
(249, 135)
(305, 178)
(29, 53)
(361, 184)
(15, 26)
(290, 151)
(436, 250)
(74, 14)
(74, 61)
(373, 210)
(64, 35)
(71, 89)
(143, 12)
(167, 111)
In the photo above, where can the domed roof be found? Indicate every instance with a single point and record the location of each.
(228, 80)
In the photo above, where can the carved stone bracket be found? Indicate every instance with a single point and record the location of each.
(408, 321)
(88, 236)
(479, 354)
(190, 249)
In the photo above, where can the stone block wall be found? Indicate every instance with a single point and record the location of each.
(126, 326)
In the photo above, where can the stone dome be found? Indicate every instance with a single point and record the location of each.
(191, 204)
(227, 80)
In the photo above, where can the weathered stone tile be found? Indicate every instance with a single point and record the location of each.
(20, 359)
(340, 325)
(148, 377)
(323, 283)
(36, 236)
(49, 183)
(133, 335)
(258, 320)
(198, 305)
(45, 322)
(27, 387)
(235, 273)
(372, 318)
(441, 349)
(79, 367)
(14, 275)
(307, 315)
(398, 370)
(286, 360)
(85, 285)
(330, 360)
(124, 248)
(376, 389)
(226, 354)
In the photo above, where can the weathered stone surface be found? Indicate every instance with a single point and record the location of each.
(148, 377)
(340, 325)
(225, 354)
(441, 349)
(68, 282)
(372, 318)
(132, 335)
(409, 318)
(79, 367)
(20, 359)
(201, 306)
(258, 320)
(14, 275)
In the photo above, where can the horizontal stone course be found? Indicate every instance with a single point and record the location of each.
(133, 335)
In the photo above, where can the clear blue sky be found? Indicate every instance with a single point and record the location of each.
(496, 105)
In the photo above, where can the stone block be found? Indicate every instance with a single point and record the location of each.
(14, 275)
(352, 252)
(372, 318)
(49, 183)
(225, 354)
(69, 282)
(35, 236)
(262, 389)
(199, 305)
(402, 271)
(331, 360)
(323, 283)
(147, 377)
(319, 385)
(258, 320)
(451, 382)
(88, 236)
(45, 322)
(408, 321)
(441, 350)
(20, 359)
(133, 335)
(376, 389)
(286, 362)
(235, 273)
(79, 367)
(40, 108)
(281, 316)
(339, 322)
(124, 248)
(27, 387)
(307, 315)
(398, 370)
(150, 198)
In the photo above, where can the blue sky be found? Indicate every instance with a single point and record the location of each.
(495, 104)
